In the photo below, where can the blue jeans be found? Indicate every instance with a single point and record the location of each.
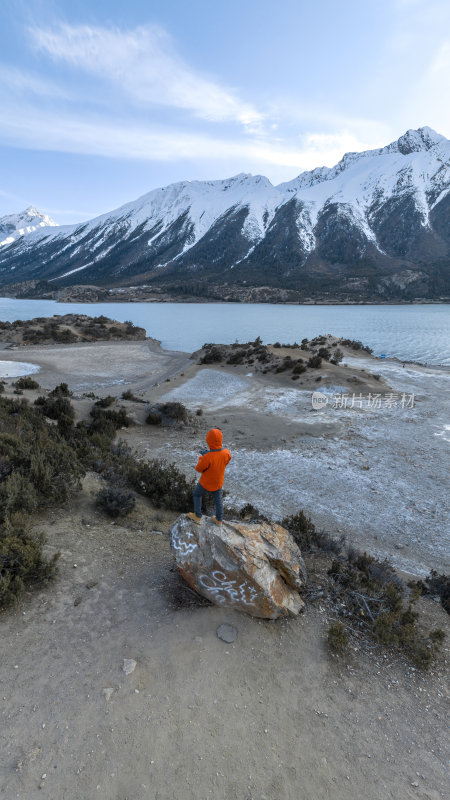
(199, 493)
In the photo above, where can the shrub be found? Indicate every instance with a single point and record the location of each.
(57, 407)
(154, 418)
(299, 368)
(167, 413)
(212, 356)
(250, 512)
(435, 585)
(116, 502)
(337, 357)
(128, 395)
(105, 402)
(176, 411)
(237, 357)
(315, 361)
(324, 353)
(26, 383)
(62, 389)
(103, 421)
(37, 468)
(302, 529)
(356, 345)
(163, 484)
(370, 598)
(337, 637)
(21, 562)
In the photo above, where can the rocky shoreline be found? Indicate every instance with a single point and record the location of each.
(210, 293)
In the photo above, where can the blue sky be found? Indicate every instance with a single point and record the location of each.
(102, 101)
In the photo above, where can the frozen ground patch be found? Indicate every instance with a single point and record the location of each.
(15, 369)
(444, 433)
(208, 385)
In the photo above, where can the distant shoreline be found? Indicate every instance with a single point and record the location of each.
(214, 293)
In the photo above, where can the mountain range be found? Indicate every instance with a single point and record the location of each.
(374, 227)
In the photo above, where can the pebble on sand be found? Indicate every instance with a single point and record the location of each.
(227, 633)
(129, 665)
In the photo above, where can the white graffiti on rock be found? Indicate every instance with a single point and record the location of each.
(183, 547)
(219, 585)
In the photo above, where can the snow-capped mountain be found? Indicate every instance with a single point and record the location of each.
(375, 225)
(13, 226)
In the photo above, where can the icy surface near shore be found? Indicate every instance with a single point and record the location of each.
(378, 474)
(15, 369)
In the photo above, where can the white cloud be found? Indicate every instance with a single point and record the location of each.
(19, 81)
(47, 130)
(42, 129)
(144, 65)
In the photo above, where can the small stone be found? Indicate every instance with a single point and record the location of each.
(227, 633)
(75, 565)
(44, 776)
(414, 783)
(108, 693)
(129, 665)
(77, 601)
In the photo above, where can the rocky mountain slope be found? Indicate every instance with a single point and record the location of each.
(374, 227)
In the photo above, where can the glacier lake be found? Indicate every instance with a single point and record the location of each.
(411, 332)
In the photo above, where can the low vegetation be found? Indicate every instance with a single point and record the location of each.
(44, 455)
(26, 383)
(355, 345)
(68, 329)
(266, 359)
(365, 597)
(167, 414)
(128, 395)
(116, 502)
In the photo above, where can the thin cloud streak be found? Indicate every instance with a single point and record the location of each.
(143, 64)
(50, 131)
(12, 79)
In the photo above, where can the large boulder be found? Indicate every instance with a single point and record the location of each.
(252, 567)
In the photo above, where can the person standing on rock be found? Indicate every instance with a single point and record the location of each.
(211, 464)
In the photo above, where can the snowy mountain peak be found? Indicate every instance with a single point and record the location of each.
(13, 226)
(413, 141)
(374, 212)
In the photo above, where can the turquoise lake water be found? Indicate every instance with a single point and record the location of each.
(410, 332)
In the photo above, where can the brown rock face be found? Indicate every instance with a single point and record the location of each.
(256, 568)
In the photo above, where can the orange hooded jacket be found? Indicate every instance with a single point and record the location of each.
(212, 464)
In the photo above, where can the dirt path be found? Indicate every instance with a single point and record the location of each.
(272, 716)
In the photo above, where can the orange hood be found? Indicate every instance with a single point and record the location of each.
(214, 439)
